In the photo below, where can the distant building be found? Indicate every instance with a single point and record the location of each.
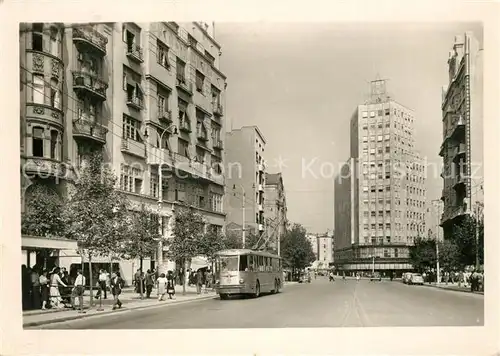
(380, 192)
(313, 240)
(245, 177)
(324, 247)
(275, 209)
(462, 147)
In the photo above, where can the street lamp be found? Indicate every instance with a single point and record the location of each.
(436, 203)
(159, 257)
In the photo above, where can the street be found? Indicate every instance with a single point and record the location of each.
(319, 304)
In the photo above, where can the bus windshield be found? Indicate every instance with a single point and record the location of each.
(228, 263)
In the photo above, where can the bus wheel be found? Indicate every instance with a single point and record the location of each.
(257, 290)
(223, 296)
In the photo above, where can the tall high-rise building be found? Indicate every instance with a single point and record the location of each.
(462, 147)
(146, 95)
(275, 209)
(245, 177)
(380, 191)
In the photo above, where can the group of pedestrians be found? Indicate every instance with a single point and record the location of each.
(164, 283)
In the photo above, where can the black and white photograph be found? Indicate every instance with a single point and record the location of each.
(194, 175)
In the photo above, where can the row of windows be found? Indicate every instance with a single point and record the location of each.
(38, 143)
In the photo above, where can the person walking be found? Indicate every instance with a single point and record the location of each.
(117, 284)
(55, 282)
(103, 278)
(35, 291)
(198, 280)
(78, 290)
(149, 283)
(170, 284)
(44, 289)
(161, 286)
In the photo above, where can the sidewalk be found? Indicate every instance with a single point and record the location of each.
(452, 287)
(130, 299)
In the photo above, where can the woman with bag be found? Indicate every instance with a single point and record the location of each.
(117, 284)
(161, 285)
(170, 285)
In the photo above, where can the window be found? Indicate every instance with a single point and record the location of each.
(200, 78)
(131, 128)
(162, 105)
(129, 38)
(183, 148)
(37, 37)
(372, 214)
(365, 139)
(154, 185)
(162, 55)
(55, 95)
(54, 43)
(364, 114)
(372, 113)
(244, 263)
(181, 71)
(54, 138)
(386, 253)
(380, 113)
(38, 139)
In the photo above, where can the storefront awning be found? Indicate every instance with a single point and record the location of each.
(33, 242)
(199, 262)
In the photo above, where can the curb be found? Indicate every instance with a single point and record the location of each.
(103, 313)
(453, 290)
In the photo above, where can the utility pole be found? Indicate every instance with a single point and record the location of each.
(243, 221)
(478, 214)
(438, 215)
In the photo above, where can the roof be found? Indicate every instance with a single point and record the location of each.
(273, 178)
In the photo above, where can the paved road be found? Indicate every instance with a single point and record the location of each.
(319, 304)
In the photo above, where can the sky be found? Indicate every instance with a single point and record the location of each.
(300, 83)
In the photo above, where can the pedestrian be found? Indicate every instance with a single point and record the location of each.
(149, 283)
(26, 287)
(103, 278)
(170, 284)
(55, 282)
(35, 289)
(44, 289)
(78, 290)
(161, 286)
(137, 281)
(198, 280)
(117, 284)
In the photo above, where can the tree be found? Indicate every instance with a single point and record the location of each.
(95, 211)
(43, 216)
(296, 250)
(464, 236)
(449, 255)
(141, 236)
(210, 243)
(232, 240)
(187, 236)
(423, 254)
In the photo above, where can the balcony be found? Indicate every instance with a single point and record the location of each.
(261, 187)
(196, 170)
(46, 167)
(88, 38)
(261, 227)
(90, 84)
(201, 136)
(458, 130)
(89, 129)
(459, 152)
(133, 147)
(184, 85)
(165, 116)
(134, 53)
(135, 102)
(218, 109)
(47, 113)
(184, 126)
(261, 207)
(218, 144)
(261, 167)
(459, 182)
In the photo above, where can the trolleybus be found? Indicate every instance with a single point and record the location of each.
(247, 272)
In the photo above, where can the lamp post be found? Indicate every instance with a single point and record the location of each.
(159, 257)
(436, 203)
(243, 213)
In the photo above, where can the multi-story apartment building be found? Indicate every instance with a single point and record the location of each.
(462, 148)
(380, 191)
(147, 95)
(324, 248)
(275, 209)
(245, 177)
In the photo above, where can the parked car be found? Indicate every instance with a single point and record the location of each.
(416, 278)
(375, 276)
(406, 277)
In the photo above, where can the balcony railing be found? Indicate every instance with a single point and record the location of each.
(134, 52)
(135, 102)
(89, 129)
(459, 181)
(165, 115)
(218, 144)
(91, 38)
(184, 126)
(89, 83)
(183, 84)
(202, 136)
(218, 109)
(459, 151)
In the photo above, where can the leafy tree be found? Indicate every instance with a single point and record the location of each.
(187, 237)
(141, 236)
(449, 255)
(43, 215)
(423, 254)
(232, 240)
(253, 240)
(296, 250)
(210, 243)
(464, 236)
(95, 211)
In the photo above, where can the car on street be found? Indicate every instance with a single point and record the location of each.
(416, 278)
(375, 277)
(406, 277)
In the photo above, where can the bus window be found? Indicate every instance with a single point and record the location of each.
(266, 259)
(244, 263)
(250, 263)
(228, 263)
(261, 263)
